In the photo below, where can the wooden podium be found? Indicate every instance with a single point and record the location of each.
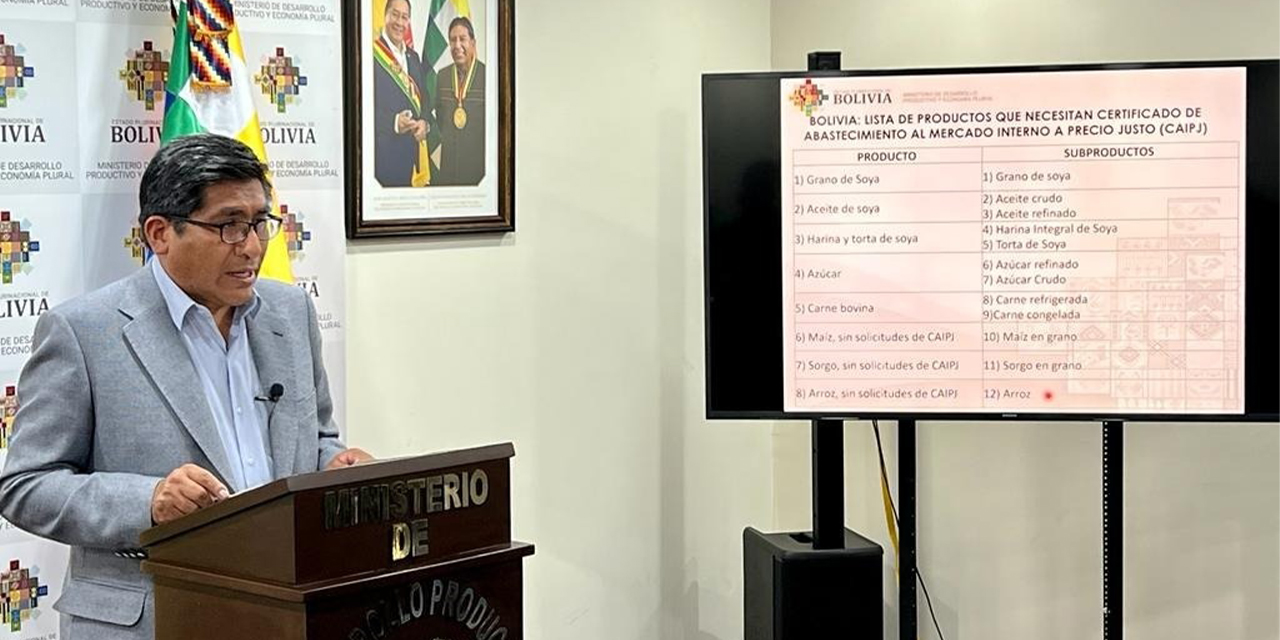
(407, 548)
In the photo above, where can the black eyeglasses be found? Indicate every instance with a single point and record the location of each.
(236, 231)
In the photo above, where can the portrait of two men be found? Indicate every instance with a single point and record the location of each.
(428, 115)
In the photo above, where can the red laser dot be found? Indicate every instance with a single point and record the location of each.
(1048, 395)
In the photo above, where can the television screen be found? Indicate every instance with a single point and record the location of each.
(1068, 242)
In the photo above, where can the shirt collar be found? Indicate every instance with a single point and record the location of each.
(179, 303)
(400, 50)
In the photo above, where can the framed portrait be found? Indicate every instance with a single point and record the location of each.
(429, 116)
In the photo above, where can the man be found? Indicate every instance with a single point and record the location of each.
(398, 123)
(460, 110)
(169, 390)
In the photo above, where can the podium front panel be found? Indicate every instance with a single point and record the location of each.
(479, 602)
(401, 522)
(190, 611)
(473, 598)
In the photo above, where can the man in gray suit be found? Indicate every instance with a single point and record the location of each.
(169, 390)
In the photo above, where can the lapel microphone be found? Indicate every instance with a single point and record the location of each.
(273, 394)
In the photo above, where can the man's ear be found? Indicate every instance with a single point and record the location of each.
(159, 233)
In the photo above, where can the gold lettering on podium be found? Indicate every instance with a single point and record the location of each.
(401, 499)
(409, 539)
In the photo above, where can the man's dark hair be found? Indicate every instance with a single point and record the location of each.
(388, 7)
(464, 21)
(174, 183)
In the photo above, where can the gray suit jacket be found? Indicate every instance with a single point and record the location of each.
(110, 403)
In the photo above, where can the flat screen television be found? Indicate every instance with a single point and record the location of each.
(1072, 242)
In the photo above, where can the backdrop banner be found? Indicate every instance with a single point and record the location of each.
(81, 107)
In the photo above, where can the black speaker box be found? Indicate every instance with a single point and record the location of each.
(794, 592)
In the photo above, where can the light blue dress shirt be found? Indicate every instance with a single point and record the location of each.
(229, 377)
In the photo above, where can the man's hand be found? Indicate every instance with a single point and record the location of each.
(404, 122)
(420, 129)
(186, 490)
(348, 458)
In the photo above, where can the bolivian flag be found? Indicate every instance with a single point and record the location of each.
(209, 90)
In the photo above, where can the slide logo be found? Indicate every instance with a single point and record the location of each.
(280, 79)
(808, 97)
(13, 72)
(20, 593)
(144, 75)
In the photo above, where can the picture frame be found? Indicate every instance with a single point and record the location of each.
(428, 147)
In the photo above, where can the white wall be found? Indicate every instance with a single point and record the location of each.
(1009, 519)
(579, 338)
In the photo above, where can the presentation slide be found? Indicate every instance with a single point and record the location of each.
(1056, 242)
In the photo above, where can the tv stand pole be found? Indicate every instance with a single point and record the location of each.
(828, 505)
(1112, 529)
(791, 579)
(827, 435)
(828, 483)
(907, 529)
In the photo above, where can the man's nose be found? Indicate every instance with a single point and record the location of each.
(253, 245)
